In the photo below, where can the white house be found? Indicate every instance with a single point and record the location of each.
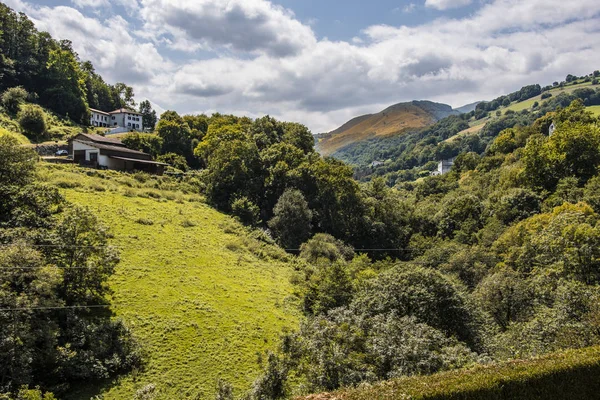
(101, 152)
(444, 166)
(100, 118)
(376, 163)
(121, 120)
(124, 118)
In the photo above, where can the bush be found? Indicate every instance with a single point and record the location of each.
(546, 95)
(13, 98)
(246, 211)
(32, 120)
(174, 160)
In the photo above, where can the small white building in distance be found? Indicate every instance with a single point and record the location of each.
(376, 163)
(121, 120)
(444, 166)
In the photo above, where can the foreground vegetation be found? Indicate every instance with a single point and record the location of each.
(565, 375)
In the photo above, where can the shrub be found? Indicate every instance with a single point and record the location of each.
(32, 120)
(144, 221)
(324, 246)
(546, 95)
(13, 98)
(175, 160)
(246, 211)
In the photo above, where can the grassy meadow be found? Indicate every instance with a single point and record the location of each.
(203, 295)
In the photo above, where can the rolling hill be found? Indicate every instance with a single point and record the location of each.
(392, 121)
(202, 295)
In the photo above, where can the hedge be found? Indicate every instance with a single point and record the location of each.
(572, 374)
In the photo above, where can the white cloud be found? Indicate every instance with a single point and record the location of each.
(446, 4)
(108, 44)
(240, 25)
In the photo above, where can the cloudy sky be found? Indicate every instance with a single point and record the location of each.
(321, 62)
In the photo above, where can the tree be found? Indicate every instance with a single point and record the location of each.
(148, 143)
(13, 98)
(66, 92)
(505, 296)
(149, 117)
(32, 120)
(174, 160)
(175, 134)
(17, 164)
(292, 219)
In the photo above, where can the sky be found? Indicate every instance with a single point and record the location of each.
(322, 62)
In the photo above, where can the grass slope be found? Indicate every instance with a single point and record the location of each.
(571, 375)
(199, 294)
(394, 120)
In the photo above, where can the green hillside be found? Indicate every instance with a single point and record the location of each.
(199, 293)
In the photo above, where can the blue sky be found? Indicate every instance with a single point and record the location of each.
(323, 62)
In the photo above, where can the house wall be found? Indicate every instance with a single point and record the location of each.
(87, 148)
(126, 120)
(98, 119)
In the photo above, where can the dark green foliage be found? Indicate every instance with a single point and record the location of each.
(32, 120)
(149, 117)
(13, 98)
(174, 160)
(292, 219)
(324, 246)
(246, 211)
(517, 204)
(425, 294)
(17, 164)
(148, 143)
(271, 385)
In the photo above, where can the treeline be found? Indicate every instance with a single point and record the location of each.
(56, 329)
(51, 71)
(500, 260)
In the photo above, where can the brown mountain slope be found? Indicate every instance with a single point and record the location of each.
(394, 120)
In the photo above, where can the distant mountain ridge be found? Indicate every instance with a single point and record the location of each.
(394, 120)
(468, 107)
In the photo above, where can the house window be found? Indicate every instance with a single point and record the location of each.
(128, 117)
(113, 117)
(129, 124)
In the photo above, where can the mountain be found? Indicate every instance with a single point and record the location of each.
(468, 108)
(394, 120)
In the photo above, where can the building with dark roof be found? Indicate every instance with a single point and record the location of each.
(101, 152)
